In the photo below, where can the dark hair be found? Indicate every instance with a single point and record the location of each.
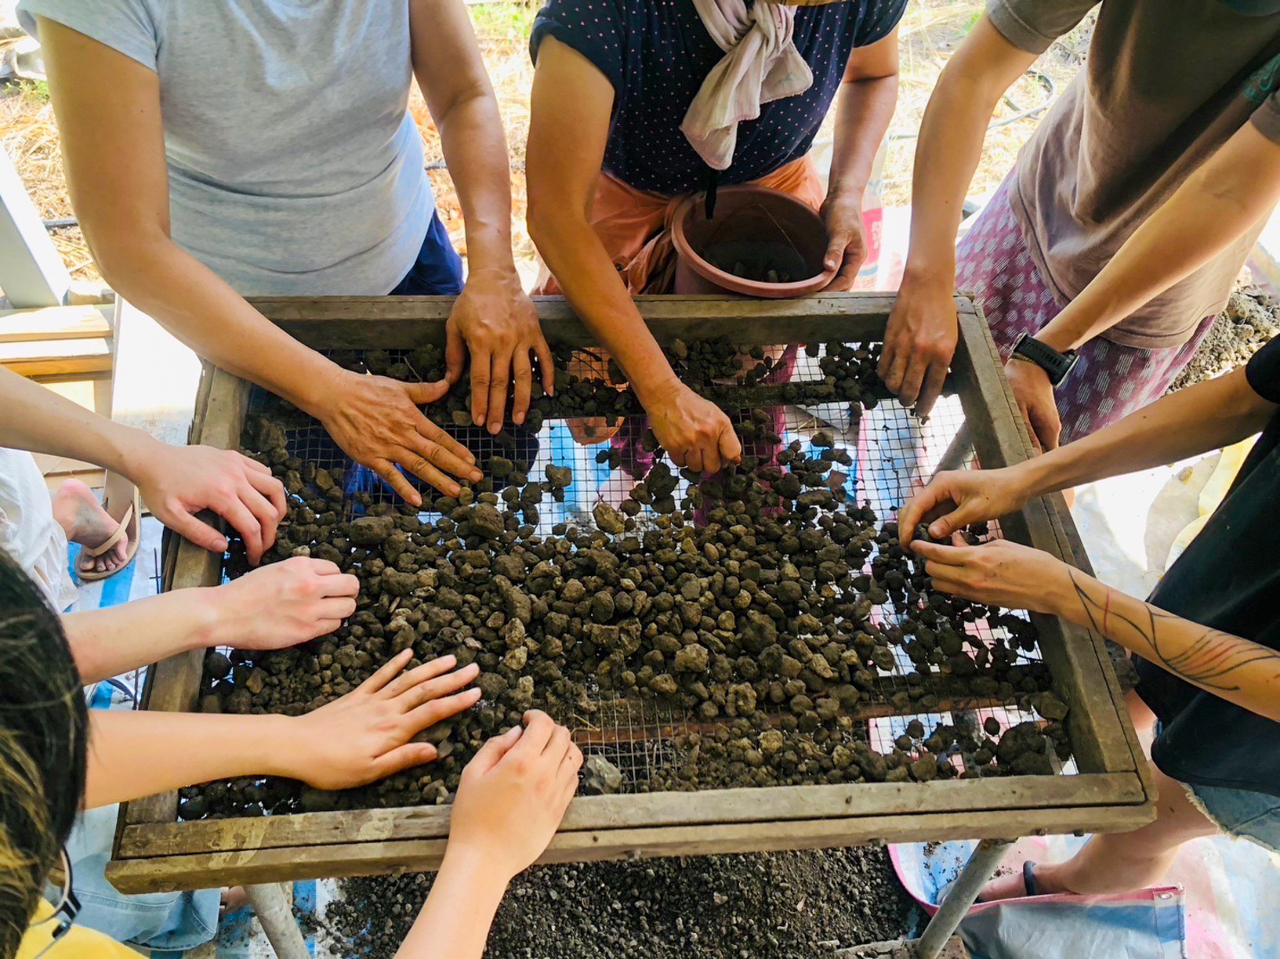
(43, 733)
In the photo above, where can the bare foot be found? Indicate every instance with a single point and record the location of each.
(82, 517)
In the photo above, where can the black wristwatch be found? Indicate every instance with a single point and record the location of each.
(1057, 365)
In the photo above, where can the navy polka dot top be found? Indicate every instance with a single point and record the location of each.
(656, 53)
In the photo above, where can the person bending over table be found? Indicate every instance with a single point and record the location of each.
(56, 757)
(1119, 141)
(253, 147)
(635, 104)
(1206, 643)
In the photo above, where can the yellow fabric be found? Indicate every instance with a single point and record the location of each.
(1215, 490)
(78, 943)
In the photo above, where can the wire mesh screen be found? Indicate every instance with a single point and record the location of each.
(644, 744)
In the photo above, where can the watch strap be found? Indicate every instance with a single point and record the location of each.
(1057, 365)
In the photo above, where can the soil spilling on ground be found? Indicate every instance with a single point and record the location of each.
(793, 904)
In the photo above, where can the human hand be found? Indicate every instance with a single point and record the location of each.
(494, 319)
(919, 342)
(282, 604)
(847, 245)
(176, 482)
(963, 497)
(377, 423)
(514, 794)
(997, 573)
(695, 432)
(1034, 393)
(366, 734)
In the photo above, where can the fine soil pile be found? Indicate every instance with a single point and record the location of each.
(1250, 319)
(794, 905)
(763, 604)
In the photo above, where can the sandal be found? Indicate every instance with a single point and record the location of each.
(130, 526)
(1029, 877)
(1028, 881)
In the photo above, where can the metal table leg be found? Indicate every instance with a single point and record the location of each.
(273, 905)
(964, 891)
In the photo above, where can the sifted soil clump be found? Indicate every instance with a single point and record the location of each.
(760, 609)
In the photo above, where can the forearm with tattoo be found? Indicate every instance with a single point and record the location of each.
(1239, 670)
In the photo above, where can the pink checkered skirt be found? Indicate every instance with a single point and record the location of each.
(1110, 381)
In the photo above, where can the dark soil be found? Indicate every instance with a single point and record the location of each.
(749, 606)
(1251, 318)
(793, 905)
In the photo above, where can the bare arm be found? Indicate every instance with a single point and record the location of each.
(1196, 420)
(1204, 417)
(1237, 670)
(493, 316)
(361, 737)
(921, 337)
(135, 754)
(278, 606)
(39, 420)
(109, 123)
(1207, 416)
(510, 802)
(865, 107)
(175, 482)
(454, 921)
(115, 639)
(1019, 577)
(567, 138)
(1215, 206)
(108, 111)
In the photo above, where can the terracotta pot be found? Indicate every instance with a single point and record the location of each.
(758, 228)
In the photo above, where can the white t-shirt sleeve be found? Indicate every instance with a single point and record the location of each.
(123, 25)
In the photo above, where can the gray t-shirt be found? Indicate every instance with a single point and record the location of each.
(294, 165)
(1166, 83)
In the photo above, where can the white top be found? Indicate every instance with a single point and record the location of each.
(294, 166)
(28, 531)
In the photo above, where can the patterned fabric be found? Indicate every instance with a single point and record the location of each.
(657, 53)
(1110, 381)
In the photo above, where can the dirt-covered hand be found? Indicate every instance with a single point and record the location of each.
(176, 482)
(847, 244)
(1034, 393)
(495, 320)
(963, 497)
(377, 423)
(919, 342)
(513, 794)
(998, 573)
(695, 432)
(366, 734)
(282, 604)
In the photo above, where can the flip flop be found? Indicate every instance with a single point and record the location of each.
(131, 517)
(1028, 880)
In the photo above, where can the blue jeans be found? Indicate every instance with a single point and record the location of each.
(162, 920)
(1241, 813)
(438, 271)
